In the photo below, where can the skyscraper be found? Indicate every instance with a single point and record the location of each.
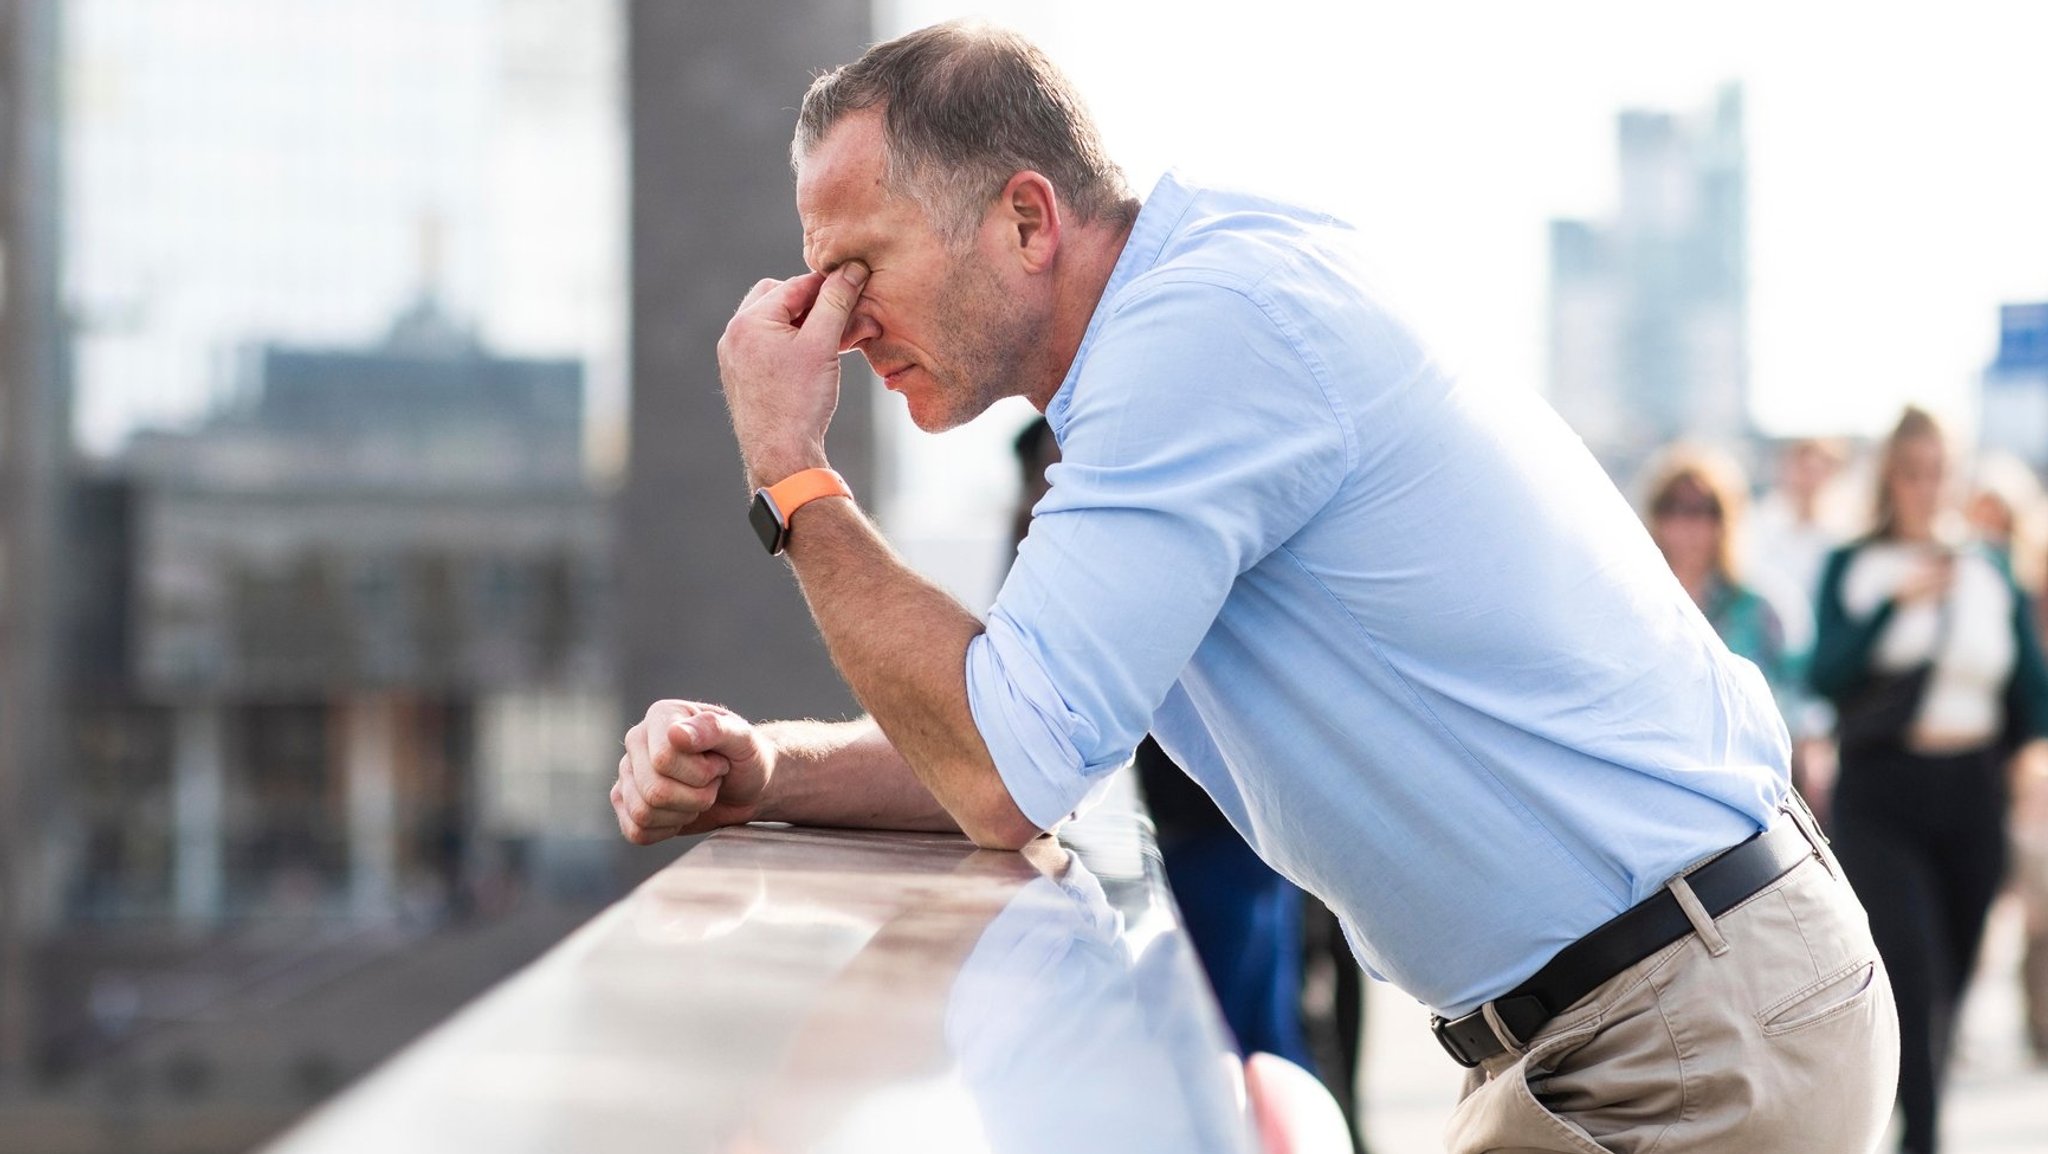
(2015, 391)
(1648, 308)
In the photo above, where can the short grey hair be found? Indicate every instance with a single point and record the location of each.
(965, 107)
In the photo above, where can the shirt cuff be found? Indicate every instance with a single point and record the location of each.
(1034, 740)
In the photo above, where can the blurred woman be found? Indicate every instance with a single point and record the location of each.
(1927, 648)
(2005, 513)
(1696, 501)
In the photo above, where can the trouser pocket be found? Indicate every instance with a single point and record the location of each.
(1600, 1071)
(1842, 992)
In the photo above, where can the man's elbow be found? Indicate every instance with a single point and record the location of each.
(999, 824)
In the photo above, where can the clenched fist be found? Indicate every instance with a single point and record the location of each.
(689, 767)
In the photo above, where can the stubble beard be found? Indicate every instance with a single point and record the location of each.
(987, 339)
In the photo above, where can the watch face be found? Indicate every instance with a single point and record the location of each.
(767, 521)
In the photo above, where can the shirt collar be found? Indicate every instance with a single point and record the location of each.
(1158, 220)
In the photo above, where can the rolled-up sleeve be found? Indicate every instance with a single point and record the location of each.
(1197, 439)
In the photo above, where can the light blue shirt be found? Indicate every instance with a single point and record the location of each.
(1402, 629)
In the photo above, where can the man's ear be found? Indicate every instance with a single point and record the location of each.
(1031, 213)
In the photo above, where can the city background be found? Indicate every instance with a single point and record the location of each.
(365, 474)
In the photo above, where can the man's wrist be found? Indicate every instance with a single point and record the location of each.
(764, 806)
(772, 469)
(774, 508)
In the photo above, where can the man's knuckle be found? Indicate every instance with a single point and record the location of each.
(664, 794)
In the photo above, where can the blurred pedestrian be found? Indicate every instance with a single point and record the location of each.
(2004, 515)
(1929, 652)
(1794, 526)
(1333, 1011)
(1695, 507)
(2005, 512)
(1788, 537)
(2030, 881)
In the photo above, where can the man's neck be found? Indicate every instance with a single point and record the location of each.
(1088, 260)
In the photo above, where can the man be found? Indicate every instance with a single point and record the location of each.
(1404, 632)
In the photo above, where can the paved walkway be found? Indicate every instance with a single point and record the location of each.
(1998, 1100)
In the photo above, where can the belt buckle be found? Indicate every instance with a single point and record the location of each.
(1437, 1026)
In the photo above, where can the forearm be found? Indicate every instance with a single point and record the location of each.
(898, 641)
(845, 773)
(901, 643)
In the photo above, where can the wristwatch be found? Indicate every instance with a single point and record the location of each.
(774, 505)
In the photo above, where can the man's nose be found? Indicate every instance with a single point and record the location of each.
(861, 327)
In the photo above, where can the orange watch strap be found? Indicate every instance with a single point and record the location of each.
(799, 489)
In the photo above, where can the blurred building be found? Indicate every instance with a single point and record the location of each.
(2014, 415)
(308, 689)
(352, 599)
(336, 637)
(1648, 308)
(340, 673)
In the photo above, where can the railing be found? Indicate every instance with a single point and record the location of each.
(784, 989)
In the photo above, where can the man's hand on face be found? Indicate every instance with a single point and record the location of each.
(689, 767)
(779, 361)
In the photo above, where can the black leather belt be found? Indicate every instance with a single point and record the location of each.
(1635, 934)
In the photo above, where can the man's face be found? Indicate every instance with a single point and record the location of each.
(938, 324)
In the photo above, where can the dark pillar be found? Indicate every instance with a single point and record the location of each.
(708, 614)
(35, 438)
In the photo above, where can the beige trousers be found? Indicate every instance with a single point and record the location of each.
(1768, 1029)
